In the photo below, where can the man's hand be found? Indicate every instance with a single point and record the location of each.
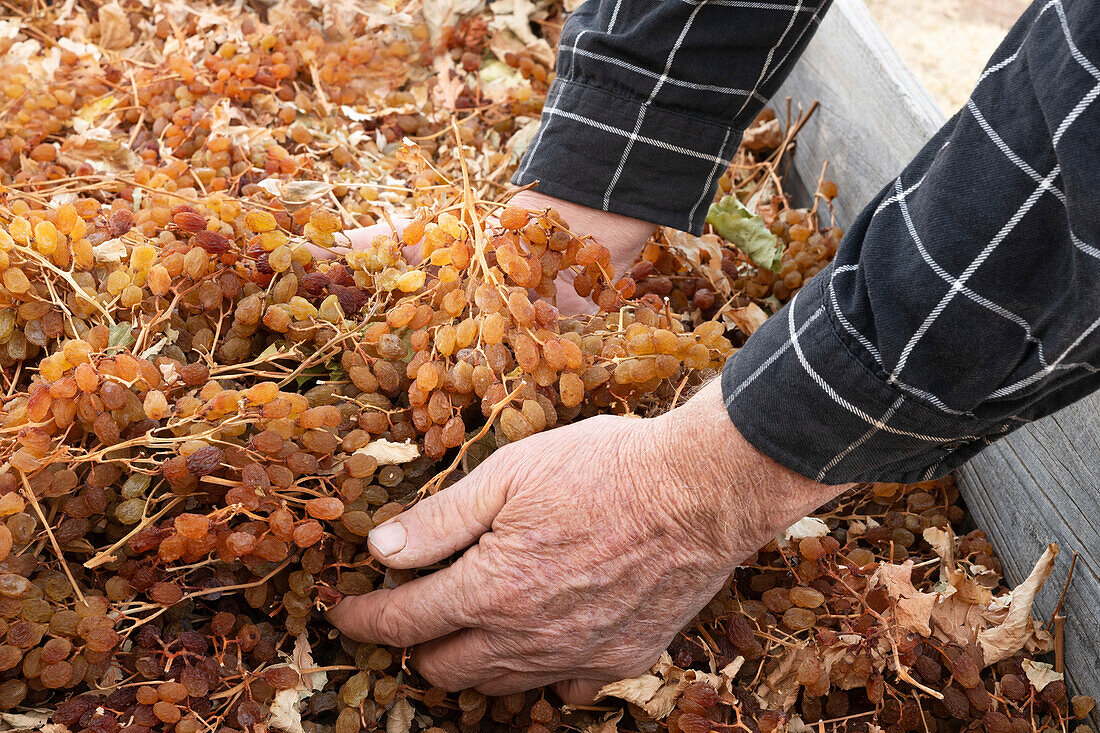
(590, 547)
(624, 238)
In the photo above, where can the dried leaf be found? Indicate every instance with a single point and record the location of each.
(400, 717)
(521, 139)
(284, 713)
(449, 83)
(912, 608)
(439, 14)
(114, 26)
(638, 690)
(511, 22)
(797, 725)
(1017, 627)
(500, 82)
(705, 253)
(943, 543)
(967, 613)
(1041, 674)
(746, 231)
(654, 692)
(31, 720)
(779, 688)
(609, 724)
(302, 192)
(389, 453)
(120, 336)
(915, 612)
(112, 251)
(9, 29)
(764, 135)
(806, 527)
(749, 318)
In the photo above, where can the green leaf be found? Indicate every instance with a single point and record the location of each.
(310, 374)
(119, 336)
(272, 349)
(747, 232)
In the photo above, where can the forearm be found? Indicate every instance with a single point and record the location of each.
(718, 466)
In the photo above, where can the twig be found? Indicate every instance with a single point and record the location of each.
(205, 592)
(1065, 588)
(29, 493)
(437, 481)
(107, 555)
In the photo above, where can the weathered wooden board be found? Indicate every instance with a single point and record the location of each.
(1040, 484)
(874, 115)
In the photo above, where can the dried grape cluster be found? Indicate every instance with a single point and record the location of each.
(206, 408)
(815, 637)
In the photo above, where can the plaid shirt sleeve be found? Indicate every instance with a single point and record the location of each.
(965, 299)
(651, 97)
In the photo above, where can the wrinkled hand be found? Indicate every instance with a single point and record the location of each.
(592, 546)
(624, 237)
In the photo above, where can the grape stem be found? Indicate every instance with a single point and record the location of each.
(106, 556)
(200, 593)
(29, 492)
(433, 485)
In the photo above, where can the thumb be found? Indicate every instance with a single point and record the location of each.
(440, 525)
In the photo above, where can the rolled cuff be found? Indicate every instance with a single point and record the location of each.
(611, 151)
(798, 393)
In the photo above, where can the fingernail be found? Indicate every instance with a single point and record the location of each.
(388, 538)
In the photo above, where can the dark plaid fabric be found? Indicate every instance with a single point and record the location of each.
(651, 97)
(964, 301)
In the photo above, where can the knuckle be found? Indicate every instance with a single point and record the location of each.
(389, 625)
(433, 669)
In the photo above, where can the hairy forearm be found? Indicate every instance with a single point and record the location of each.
(711, 459)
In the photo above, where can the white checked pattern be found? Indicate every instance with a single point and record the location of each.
(1044, 216)
(965, 301)
(635, 94)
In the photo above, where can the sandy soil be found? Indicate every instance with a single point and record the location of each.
(946, 42)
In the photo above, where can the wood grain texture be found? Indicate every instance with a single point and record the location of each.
(1040, 484)
(874, 114)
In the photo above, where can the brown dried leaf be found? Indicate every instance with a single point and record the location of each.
(749, 318)
(967, 613)
(912, 608)
(284, 713)
(765, 135)
(943, 542)
(114, 26)
(610, 724)
(30, 720)
(705, 254)
(1016, 627)
(1040, 674)
(438, 14)
(640, 690)
(779, 688)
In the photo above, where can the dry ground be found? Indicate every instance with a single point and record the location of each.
(946, 42)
